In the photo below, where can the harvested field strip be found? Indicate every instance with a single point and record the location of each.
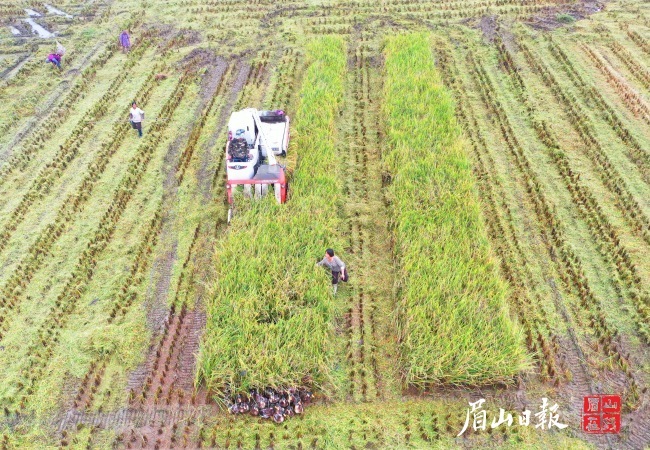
(630, 98)
(369, 336)
(640, 41)
(157, 388)
(23, 85)
(78, 182)
(73, 205)
(255, 80)
(268, 325)
(27, 153)
(124, 299)
(636, 68)
(198, 128)
(636, 152)
(166, 380)
(48, 121)
(625, 201)
(49, 331)
(447, 274)
(45, 180)
(615, 254)
(160, 383)
(282, 85)
(542, 339)
(568, 263)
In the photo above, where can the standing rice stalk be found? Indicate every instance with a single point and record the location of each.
(453, 322)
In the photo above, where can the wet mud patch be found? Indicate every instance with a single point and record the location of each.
(489, 27)
(556, 17)
(169, 37)
(201, 57)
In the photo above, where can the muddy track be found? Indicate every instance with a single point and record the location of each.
(177, 162)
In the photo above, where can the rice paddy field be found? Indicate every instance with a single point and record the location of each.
(481, 166)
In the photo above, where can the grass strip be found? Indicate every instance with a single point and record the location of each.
(454, 325)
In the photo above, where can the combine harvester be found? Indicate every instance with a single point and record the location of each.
(252, 136)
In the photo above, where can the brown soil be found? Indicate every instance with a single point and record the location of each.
(548, 18)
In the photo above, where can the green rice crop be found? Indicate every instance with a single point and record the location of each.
(454, 325)
(270, 319)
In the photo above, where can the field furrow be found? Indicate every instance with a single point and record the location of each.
(365, 213)
(625, 200)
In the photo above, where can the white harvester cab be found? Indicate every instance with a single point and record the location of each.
(254, 139)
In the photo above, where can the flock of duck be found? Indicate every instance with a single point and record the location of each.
(271, 403)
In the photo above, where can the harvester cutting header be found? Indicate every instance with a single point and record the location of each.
(254, 136)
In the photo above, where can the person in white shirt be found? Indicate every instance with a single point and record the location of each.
(136, 116)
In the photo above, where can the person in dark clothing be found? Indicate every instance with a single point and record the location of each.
(337, 267)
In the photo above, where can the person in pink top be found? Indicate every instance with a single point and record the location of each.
(55, 59)
(125, 41)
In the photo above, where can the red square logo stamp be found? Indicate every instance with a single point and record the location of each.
(601, 414)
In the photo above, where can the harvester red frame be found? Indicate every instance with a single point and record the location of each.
(280, 187)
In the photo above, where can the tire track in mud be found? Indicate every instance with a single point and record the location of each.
(160, 317)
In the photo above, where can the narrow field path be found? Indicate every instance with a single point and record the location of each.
(370, 342)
